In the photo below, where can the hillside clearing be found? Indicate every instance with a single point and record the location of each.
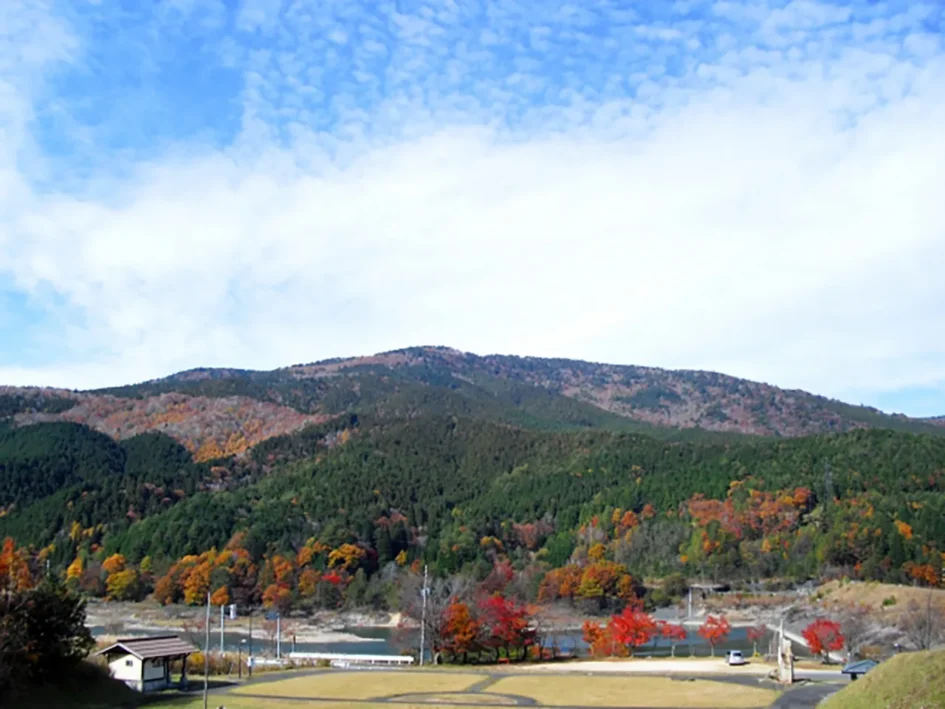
(874, 594)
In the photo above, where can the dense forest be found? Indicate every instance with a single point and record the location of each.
(337, 512)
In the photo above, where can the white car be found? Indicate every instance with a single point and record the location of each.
(735, 657)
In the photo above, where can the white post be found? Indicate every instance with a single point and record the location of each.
(278, 636)
(206, 657)
(423, 615)
(222, 610)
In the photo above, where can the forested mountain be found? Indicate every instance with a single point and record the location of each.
(311, 483)
(359, 494)
(220, 412)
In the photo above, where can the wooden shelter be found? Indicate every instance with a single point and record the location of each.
(144, 664)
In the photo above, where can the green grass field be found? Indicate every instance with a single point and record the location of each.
(912, 680)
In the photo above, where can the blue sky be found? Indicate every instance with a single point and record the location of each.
(752, 187)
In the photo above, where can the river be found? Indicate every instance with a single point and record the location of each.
(387, 641)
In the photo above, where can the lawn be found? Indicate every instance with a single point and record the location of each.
(634, 691)
(363, 685)
(443, 690)
(912, 680)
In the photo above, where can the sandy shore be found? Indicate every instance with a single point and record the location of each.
(130, 619)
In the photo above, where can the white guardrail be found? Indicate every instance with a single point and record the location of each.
(338, 659)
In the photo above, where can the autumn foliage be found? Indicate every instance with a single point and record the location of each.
(462, 631)
(633, 628)
(674, 632)
(755, 633)
(823, 636)
(601, 641)
(715, 630)
(15, 574)
(625, 632)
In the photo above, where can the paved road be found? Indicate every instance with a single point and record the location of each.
(820, 675)
(806, 697)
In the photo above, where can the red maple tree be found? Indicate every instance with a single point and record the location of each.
(633, 628)
(507, 624)
(674, 632)
(714, 630)
(823, 636)
(756, 633)
(600, 640)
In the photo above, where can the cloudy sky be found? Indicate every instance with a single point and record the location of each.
(754, 187)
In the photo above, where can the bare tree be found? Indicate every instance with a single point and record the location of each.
(856, 624)
(443, 592)
(923, 623)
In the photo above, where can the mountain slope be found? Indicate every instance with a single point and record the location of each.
(219, 412)
(463, 490)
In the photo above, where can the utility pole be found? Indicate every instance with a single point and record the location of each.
(222, 610)
(206, 657)
(424, 592)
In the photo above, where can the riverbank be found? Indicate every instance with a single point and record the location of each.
(110, 619)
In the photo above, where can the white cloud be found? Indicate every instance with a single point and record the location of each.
(257, 14)
(771, 214)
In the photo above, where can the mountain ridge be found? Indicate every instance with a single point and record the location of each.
(225, 411)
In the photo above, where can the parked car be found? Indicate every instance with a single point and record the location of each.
(735, 657)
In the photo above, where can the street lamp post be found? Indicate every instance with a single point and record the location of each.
(249, 656)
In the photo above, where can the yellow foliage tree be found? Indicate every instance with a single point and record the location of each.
(74, 572)
(75, 532)
(122, 585)
(197, 584)
(347, 556)
(308, 581)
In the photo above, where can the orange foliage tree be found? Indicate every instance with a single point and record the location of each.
(601, 641)
(461, 631)
(14, 567)
(114, 564)
(278, 598)
(220, 597)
